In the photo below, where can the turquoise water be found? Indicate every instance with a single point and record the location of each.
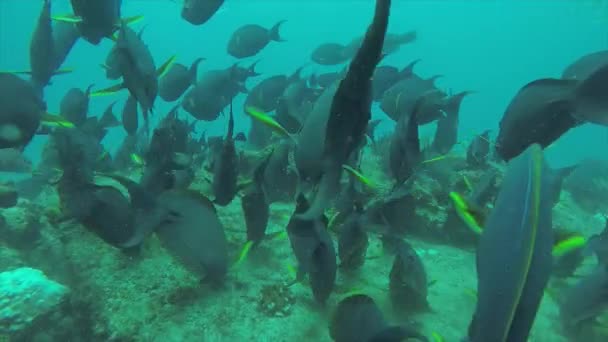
(492, 47)
(151, 292)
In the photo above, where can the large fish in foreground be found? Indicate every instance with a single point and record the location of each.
(350, 111)
(514, 258)
(545, 109)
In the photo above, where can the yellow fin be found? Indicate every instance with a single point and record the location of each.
(137, 159)
(266, 120)
(464, 210)
(438, 158)
(68, 18)
(108, 91)
(292, 271)
(568, 245)
(55, 121)
(63, 71)
(436, 337)
(243, 253)
(359, 176)
(133, 19)
(165, 67)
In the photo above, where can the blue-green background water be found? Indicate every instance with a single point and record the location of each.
(492, 47)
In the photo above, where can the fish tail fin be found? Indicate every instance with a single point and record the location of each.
(193, 71)
(452, 105)
(431, 80)
(251, 70)
(274, 32)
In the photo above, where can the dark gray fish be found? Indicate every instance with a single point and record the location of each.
(408, 283)
(582, 303)
(350, 111)
(539, 113)
(446, 134)
(352, 243)
(314, 250)
(323, 268)
(309, 149)
(111, 64)
(514, 257)
(148, 214)
(585, 66)
(305, 236)
(130, 117)
(387, 76)
(168, 165)
(265, 95)
(198, 12)
(401, 98)
(479, 150)
(110, 217)
(137, 68)
(250, 39)
(177, 80)
(326, 79)
(74, 105)
(280, 177)
(194, 233)
(256, 209)
(330, 54)
(359, 319)
(42, 53)
(404, 149)
(295, 105)
(21, 110)
(108, 210)
(99, 18)
(545, 109)
(215, 90)
(394, 41)
(225, 171)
